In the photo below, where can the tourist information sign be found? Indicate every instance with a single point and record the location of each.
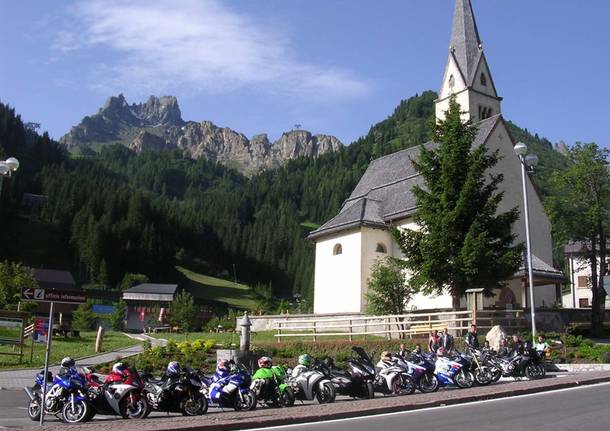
(53, 295)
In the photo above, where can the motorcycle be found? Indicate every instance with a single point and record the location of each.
(119, 394)
(355, 381)
(311, 384)
(453, 373)
(180, 393)
(421, 371)
(392, 379)
(526, 363)
(270, 387)
(477, 359)
(65, 395)
(231, 391)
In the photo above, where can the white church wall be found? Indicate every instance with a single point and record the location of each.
(371, 238)
(510, 166)
(338, 277)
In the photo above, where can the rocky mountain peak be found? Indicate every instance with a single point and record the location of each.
(157, 125)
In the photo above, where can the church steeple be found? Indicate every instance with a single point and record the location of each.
(467, 74)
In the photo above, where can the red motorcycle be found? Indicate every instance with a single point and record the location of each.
(121, 393)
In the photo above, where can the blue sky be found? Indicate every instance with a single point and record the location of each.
(334, 66)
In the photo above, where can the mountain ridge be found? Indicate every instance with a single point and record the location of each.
(157, 125)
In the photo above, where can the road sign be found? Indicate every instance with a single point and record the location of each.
(53, 295)
(41, 330)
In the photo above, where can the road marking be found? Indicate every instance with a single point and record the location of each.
(433, 408)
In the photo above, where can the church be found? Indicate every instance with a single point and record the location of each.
(348, 245)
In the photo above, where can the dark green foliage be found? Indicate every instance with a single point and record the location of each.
(130, 280)
(83, 317)
(463, 243)
(183, 310)
(388, 288)
(13, 276)
(117, 319)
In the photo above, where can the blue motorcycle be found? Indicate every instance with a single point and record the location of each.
(65, 395)
(230, 390)
(422, 371)
(454, 372)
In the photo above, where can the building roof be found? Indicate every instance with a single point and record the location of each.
(579, 247)
(153, 288)
(384, 193)
(465, 41)
(53, 278)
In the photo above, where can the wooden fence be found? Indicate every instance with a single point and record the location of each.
(395, 326)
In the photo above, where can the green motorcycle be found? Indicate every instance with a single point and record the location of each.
(270, 387)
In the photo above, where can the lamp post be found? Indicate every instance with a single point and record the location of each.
(7, 167)
(528, 161)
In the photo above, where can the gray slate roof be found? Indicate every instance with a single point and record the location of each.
(153, 288)
(465, 41)
(384, 193)
(53, 279)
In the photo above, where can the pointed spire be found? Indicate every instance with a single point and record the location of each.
(465, 42)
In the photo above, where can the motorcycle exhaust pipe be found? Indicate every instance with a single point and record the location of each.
(29, 392)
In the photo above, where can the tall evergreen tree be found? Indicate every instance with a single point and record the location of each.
(462, 242)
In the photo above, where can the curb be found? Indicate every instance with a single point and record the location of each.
(275, 422)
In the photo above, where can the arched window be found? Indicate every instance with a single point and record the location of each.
(483, 80)
(337, 250)
(451, 82)
(381, 248)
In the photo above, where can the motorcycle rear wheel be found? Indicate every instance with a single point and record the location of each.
(407, 384)
(248, 403)
(76, 412)
(325, 393)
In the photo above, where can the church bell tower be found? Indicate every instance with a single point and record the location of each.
(467, 74)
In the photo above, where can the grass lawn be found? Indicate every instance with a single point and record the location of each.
(216, 289)
(309, 225)
(61, 347)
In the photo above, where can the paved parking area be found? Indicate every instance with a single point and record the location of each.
(230, 420)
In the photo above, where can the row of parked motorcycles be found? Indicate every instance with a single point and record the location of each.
(77, 396)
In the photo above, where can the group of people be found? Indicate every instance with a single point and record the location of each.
(443, 343)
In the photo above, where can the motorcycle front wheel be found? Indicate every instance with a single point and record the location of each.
(136, 409)
(194, 405)
(464, 379)
(369, 390)
(325, 393)
(247, 403)
(75, 412)
(532, 372)
(483, 376)
(287, 398)
(428, 383)
(34, 409)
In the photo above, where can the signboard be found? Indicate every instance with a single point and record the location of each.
(53, 295)
(41, 330)
(607, 284)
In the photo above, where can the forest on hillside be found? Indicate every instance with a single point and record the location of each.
(118, 212)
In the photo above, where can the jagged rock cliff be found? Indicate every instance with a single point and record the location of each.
(157, 125)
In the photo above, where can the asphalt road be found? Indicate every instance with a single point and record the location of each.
(583, 408)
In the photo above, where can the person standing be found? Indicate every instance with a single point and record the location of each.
(447, 340)
(434, 342)
(472, 340)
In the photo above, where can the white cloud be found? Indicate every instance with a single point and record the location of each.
(200, 44)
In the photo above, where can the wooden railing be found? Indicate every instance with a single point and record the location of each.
(404, 325)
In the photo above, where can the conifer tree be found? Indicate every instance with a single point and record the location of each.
(462, 242)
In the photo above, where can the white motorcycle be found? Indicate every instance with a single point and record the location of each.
(311, 384)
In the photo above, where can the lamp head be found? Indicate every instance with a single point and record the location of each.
(4, 169)
(12, 163)
(531, 160)
(520, 149)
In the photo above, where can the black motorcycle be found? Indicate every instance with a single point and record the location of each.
(356, 380)
(177, 393)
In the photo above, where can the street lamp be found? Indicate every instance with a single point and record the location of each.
(528, 161)
(7, 167)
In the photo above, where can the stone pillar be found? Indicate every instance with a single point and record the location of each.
(244, 339)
